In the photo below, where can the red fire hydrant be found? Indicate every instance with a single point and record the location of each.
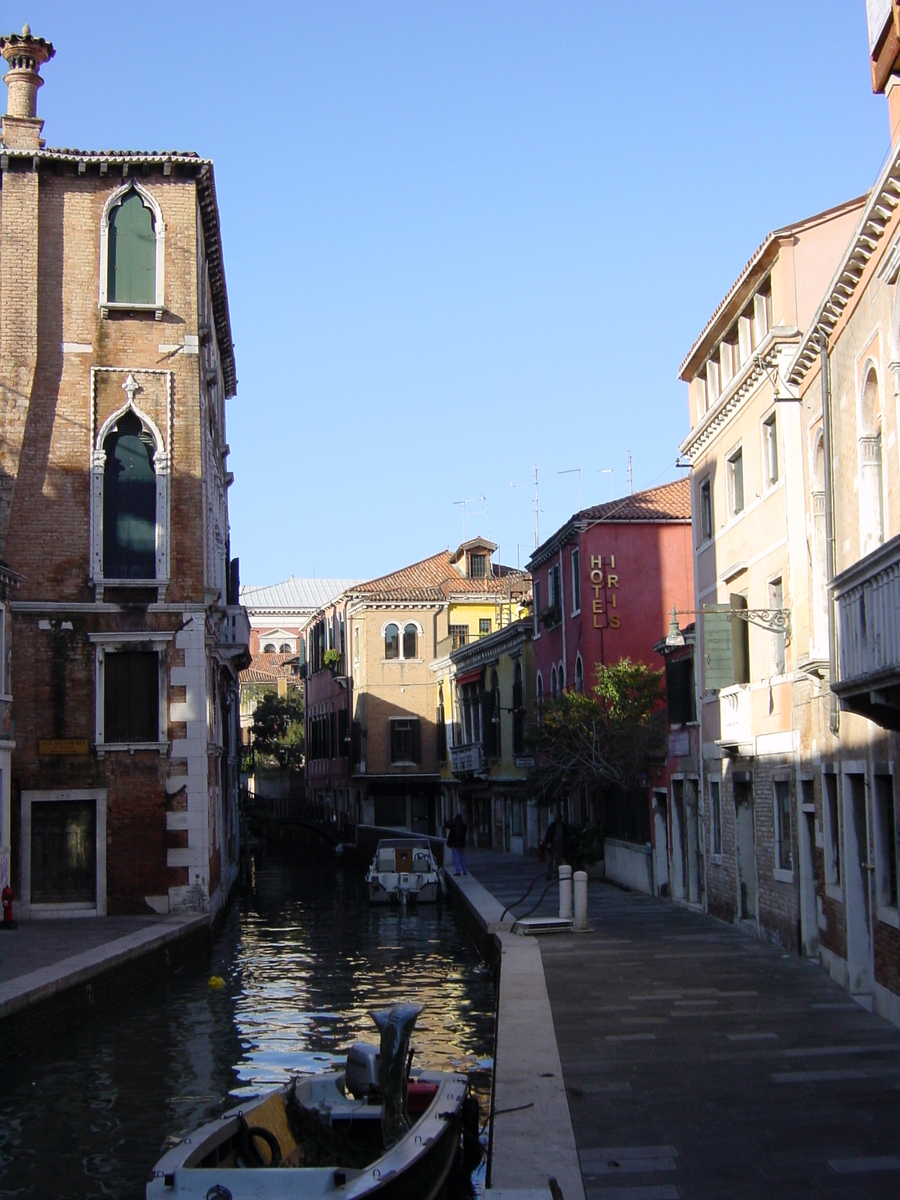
(7, 897)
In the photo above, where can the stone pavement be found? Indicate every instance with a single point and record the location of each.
(700, 1062)
(53, 973)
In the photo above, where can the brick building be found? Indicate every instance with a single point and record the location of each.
(116, 359)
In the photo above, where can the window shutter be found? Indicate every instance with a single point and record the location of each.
(416, 740)
(131, 696)
(393, 728)
(131, 275)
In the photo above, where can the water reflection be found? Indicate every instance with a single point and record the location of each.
(305, 960)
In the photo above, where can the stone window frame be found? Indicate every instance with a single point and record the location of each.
(162, 466)
(769, 429)
(870, 454)
(834, 888)
(149, 201)
(5, 681)
(106, 643)
(781, 873)
(576, 580)
(715, 780)
(401, 625)
(33, 911)
(888, 914)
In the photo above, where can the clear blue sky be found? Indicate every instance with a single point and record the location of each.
(464, 239)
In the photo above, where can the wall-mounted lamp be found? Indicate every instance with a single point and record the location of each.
(774, 620)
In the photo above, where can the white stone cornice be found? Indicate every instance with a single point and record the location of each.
(739, 389)
(883, 200)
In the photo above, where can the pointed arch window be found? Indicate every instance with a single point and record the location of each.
(129, 501)
(132, 251)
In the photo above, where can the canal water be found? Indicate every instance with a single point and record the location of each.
(305, 960)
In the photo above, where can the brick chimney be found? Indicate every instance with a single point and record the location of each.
(25, 55)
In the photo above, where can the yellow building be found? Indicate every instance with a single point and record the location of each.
(486, 692)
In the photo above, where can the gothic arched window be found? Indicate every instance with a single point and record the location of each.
(131, 254)
(129, 501)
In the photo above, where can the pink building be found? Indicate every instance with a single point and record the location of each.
(604, 588)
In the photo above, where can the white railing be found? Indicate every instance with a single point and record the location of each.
(868, 613)
(734, 716)
(468, 759)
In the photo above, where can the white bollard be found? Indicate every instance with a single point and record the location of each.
(580, 878)
(565, 892)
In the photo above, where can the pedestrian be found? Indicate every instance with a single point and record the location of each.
(555, 846)
(456, 841)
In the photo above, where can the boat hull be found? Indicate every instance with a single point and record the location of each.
(416, 1168)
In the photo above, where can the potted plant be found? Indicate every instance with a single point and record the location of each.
(332, 660)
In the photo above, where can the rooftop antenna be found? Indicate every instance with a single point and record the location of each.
(630, 475)
(473, 500)
(608, 471)
(572, 471)
(537, 509)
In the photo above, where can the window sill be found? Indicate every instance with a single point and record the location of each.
(834, 891)
(783, 874)
(116, 307)
(889, 916)
(715, 860)
(130, 747)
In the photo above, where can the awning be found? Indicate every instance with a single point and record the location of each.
(470, 677)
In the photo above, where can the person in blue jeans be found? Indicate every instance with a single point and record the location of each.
(456, 841)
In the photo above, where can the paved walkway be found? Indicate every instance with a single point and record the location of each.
(700, 1062)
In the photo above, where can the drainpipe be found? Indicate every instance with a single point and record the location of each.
(834, 715)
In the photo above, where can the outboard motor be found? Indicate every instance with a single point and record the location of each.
(361, 1078)
(396, 1024)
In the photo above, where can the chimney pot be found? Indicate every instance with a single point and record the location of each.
(25, 55)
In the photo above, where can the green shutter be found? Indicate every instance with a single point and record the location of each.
(718, 647)
(131, 277)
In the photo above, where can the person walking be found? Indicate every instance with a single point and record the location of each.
(456, 841)
(555, 846)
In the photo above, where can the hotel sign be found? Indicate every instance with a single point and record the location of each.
(605, 588)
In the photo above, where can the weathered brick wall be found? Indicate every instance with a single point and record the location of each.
(52, 333)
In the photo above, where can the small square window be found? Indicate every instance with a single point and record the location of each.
(736, 482)
(484, 625)
(459, 636)
(478, 566)
(405, 740)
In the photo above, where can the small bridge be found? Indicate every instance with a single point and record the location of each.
(331, 826)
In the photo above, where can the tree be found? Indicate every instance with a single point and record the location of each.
(277, 728)
(606, 738)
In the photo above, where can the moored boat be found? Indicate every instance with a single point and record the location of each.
(362, 1131)
(404, 868)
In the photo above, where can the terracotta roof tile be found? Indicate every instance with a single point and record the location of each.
(268, 668)
(669, 502)
(436, 578)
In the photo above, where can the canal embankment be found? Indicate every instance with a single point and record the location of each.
(532, 1138)
(55, 973)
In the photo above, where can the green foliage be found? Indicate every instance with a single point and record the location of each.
(278, 732)
(607, 738)
(332, 659)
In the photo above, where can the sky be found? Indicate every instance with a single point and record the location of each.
(463, 241)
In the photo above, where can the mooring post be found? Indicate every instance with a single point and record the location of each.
(565, 892)
(580, 881)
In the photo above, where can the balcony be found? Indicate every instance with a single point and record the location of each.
(234, 635)
(868, 619)
(467, 759)
(735, 732)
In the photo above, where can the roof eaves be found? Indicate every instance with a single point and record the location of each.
(756, 267)
(874, 220)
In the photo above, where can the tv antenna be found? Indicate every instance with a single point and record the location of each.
(572, 471)
(608, 471)
(474, 500)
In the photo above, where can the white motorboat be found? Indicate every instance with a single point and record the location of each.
(365, 1130)
(404, 868)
